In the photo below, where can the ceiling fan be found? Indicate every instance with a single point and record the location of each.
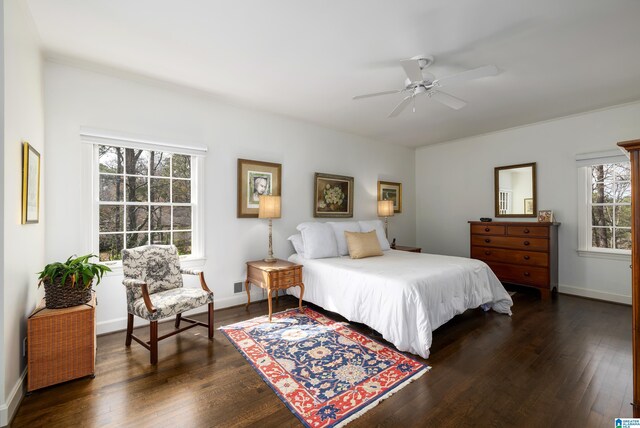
(422, 82)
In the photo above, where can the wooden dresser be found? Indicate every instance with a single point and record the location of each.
(522, 253)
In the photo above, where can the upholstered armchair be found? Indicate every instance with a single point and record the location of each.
(153, 279)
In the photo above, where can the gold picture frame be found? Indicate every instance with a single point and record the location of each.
(333, 195)
(256, 178)
(30, 184)
(388, 190)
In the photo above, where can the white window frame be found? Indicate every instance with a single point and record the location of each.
(584, 162)
(94, 137)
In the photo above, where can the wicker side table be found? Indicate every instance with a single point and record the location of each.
(61, 344)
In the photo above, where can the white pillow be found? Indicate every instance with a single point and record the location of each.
(339, 228)
(298, 243)
(319, 240)
(368, 226)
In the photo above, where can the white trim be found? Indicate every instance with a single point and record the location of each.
(101, 136)
(602, 157)
(119, 324)
(611, 255)
(8, 408)
(594, 294)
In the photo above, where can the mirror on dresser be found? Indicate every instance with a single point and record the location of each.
(515, 190)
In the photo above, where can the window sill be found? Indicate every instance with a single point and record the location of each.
(605, 255)
(190, 262)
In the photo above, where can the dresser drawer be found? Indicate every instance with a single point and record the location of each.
(528, 258)
(540, 231)
(284, 282)
(480, 229)
(536, 276)
(538, 244)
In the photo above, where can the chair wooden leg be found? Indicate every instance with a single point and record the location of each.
(127, 341)
(211, 320)
(178, 318)
(153, 341)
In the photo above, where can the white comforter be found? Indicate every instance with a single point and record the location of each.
(404, 296)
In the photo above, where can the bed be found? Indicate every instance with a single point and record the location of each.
(404, 296)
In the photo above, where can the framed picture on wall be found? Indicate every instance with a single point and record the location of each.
(256, 178)
(390, 191)
(333, 195)
(30, 184)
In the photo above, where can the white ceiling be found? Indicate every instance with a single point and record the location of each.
(307, 58)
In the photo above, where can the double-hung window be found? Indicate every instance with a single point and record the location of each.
(145, 194)
(605, 204)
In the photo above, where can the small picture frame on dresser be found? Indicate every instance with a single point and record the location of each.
(545, 216)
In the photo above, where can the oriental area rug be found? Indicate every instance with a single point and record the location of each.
(326, 373)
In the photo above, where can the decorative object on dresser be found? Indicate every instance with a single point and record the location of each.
(273, 276)
(256, 178)
(333, 195)
(327, 374)
(153, 279)
(515, 190)
(68, 283)
(61, 344)
(390, 191)
(545, 216)
(30, 184)
(522, 253)
(407, 248)
(385, 209)
(269, 208)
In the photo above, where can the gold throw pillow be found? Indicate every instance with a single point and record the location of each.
(363, 245)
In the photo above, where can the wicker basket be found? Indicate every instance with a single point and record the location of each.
(58, 295)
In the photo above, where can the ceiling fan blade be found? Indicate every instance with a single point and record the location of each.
(375, 94)
(476, 73)
(411, 67)
(448, 100)
(401, 106)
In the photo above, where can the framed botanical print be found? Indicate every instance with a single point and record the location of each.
(528, 205)
(333, 195)
(390, 191)
(30, 184)
(256, 178)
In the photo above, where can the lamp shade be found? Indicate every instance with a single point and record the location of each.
(269, 206)
(385, 208)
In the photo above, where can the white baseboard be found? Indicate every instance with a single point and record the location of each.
(8, 408)
(593, 294)
(119, 324)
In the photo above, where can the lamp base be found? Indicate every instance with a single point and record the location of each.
(270, 260)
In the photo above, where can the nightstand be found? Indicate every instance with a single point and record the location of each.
(274, 276)
(409, 249)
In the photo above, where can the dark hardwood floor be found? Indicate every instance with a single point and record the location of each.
(566, 362)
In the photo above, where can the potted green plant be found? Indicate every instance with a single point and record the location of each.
(69, 284)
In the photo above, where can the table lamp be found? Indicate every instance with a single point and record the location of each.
(269, 207)
(385, 209)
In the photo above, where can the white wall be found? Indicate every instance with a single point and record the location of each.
(79, 97)
(23, 244)
(454, 182)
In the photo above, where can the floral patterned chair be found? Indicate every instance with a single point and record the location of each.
(153, 278)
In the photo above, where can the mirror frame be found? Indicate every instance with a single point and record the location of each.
(496, 190)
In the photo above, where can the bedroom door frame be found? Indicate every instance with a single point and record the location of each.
(633, 147)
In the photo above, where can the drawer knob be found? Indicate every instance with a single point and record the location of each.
(486, 229)
(487, 240)
(526, 231)
(526, 242)
(527, 274)
(487, 253)
(527, 257)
